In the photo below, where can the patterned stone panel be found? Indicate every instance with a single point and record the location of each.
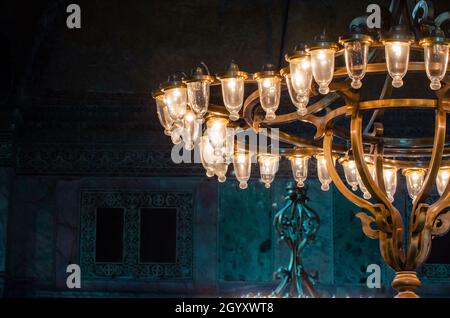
(132, 202)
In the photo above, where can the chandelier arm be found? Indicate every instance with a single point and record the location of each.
(352, 197)
(436, 158)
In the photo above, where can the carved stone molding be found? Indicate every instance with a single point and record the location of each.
(131, 268)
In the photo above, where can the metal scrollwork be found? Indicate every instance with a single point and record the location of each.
(297, 225)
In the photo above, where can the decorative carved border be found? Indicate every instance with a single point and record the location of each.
(435, 272)
(132, 202)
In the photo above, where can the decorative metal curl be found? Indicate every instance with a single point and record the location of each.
(297, 225)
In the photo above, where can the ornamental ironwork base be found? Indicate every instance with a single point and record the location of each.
(297, 225)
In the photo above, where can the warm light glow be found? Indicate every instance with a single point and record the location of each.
(390, 181)
(198, 97)
(371, 167)
(233, 95)
(436, 61)
(442, 179)
(163, 115)
(397, 60)
(242, 163)
(322, 172)
(299, 165)
(300, 100)
(269, 95)
(217, 133)
(301, 75)
(414, 181)
(268, 167)
(356, 54)
(191, 130)
(351, 173)
(221, 169)
(322, 65)
(176, 100)
(207, 156)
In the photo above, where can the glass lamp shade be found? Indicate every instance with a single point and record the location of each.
(299, 165)
(163, 115)
(242, 163)
(414, 181)
(198, 97)
(436, 61)
(191, 130)
(217, 134)
(269, 95)
(268, 167)
(176, 100)
(207, 156)
(351, 173)
(233, 95)
(442, 179)
(356, 55)
(390, 181)
(322, 65)
(221, 169)
(301, 75)
(362, 186)
(322, 172)
(397, 59)
(300, 100)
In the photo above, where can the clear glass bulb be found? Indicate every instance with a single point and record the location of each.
(366, 193)
(390, 181)
(269, 95)
(300, 100)
(242, 163)
(356, 55)
(397, 59)
(207, 156)
(436, 61)
(322, 64)
(442, 179)
(176, 100)
(163, 115)
(301, 75)
(351, 173)
(217, 133)
(198, 97)
(414, 181)
(221, 169)
(299, 165)
(233, 95)
(322, 172)
(268, 167)
(191, 130)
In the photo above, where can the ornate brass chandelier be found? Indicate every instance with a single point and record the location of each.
(370, 160)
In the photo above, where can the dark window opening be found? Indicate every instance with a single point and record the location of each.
(440, 251)
(109, 235)
(158, 239)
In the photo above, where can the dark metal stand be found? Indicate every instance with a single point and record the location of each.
(297, 225)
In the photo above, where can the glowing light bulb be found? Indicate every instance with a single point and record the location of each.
(390, 181)
(356, 56)
(242, 164)
(351, 173)
(269, 95)
(176, 100)
(207, 156)
(268, 167)
(190, 131)
(442, 179)
(300, 100)
(217, 133)
(397, 59)
(163, 114)
(299, 165)
(436, 61)
(362, 186)
(301, 75)
(322, 65)
(233, 90)
(322, 172)
(414, 181)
